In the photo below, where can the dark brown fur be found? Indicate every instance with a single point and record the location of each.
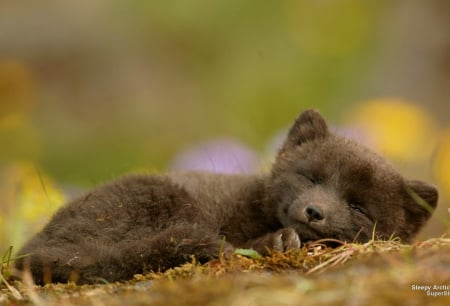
(321, 186)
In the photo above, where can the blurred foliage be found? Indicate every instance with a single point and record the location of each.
(16, 101)
(124, 83)
(90, 90)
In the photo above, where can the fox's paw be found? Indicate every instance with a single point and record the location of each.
(285, 239)
(282, 240)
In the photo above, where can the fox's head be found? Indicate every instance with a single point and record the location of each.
(327, 186)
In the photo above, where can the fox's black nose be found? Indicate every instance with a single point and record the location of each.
(313, 213)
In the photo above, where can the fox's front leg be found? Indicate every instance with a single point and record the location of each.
(281, 240)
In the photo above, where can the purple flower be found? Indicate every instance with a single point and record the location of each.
(221, 156)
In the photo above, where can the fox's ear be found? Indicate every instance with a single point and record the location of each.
(308, 126)
(422, 200)
(427, 193)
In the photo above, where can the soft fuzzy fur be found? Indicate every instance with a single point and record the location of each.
(321, 186)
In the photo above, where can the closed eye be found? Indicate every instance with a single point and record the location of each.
(357, 205)
(308, 176)
(358, 209)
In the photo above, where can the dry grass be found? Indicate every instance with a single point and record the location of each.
(375, 273)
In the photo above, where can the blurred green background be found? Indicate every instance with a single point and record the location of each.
(90, 90)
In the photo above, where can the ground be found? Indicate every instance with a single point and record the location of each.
(374, 273)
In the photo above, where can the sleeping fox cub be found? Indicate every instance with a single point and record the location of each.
(321, 186)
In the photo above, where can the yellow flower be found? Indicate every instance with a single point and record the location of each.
(442, 163)
(29, 198)
(398, 129)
